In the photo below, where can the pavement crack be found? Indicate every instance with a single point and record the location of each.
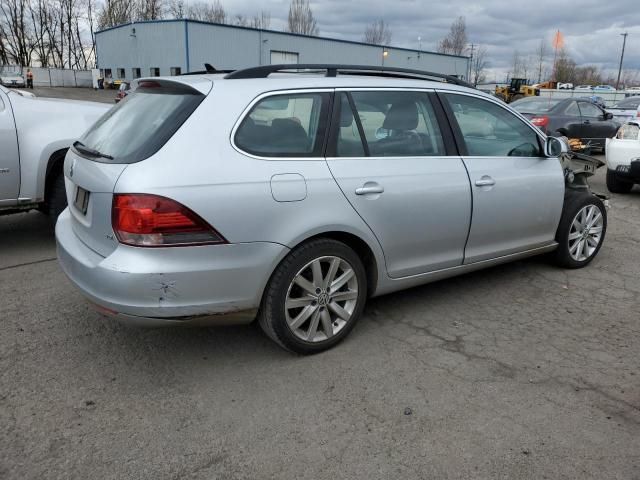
(26, 264)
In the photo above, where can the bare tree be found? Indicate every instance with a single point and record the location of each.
(541, 55)
(516, 64)
(207, 12)
(455, 43)
(262, 20)
(301, 19)
(150, 9)
(479, 65)
(240, 20)
(176, 9)
(17, 31)
(115, 12)
(377, 33)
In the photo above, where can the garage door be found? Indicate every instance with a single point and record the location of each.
(278, 57)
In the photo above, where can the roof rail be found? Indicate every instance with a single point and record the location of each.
(333, 69)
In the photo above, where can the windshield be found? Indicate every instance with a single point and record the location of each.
(141, 123)
(534, 105)
(631, 103)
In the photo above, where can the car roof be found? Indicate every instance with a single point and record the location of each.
(291, 81)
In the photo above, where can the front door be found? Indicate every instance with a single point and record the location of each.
(9, 155)
(594, 125)
(517, 192)
(392, 166)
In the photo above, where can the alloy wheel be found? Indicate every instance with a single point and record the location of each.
(321, 299)
(585, 233)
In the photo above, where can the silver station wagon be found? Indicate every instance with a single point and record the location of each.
(291, 197)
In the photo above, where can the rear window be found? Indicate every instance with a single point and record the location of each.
(538, 105)
(142, 122)
(291, 125)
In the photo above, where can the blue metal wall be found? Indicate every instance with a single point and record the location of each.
(189, 44)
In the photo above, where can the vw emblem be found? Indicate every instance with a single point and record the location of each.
(73, 164)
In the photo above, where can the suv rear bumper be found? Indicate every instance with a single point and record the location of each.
(201, 285)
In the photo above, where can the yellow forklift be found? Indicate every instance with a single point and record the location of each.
(517, 89)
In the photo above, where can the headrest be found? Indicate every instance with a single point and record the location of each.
(401, 116)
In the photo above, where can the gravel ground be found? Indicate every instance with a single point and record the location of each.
(522, 371)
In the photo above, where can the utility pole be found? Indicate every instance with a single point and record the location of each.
(624, 42)
(471, 62)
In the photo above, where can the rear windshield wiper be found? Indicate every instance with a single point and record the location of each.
(92, 152)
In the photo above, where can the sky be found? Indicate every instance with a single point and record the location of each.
(591, 28)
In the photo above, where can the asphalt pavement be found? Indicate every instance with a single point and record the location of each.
(523, 371)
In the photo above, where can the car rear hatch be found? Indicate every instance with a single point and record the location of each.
(132, 131)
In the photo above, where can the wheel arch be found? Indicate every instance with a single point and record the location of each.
(55, 165)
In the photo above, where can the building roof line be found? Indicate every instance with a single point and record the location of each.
(352, 42)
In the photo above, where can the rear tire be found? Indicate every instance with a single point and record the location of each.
(581, 231)
(615, 185)
(315, 297)
(57, 198)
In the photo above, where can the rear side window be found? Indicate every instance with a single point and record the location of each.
(492, 131)
(290, 125)
(142, 122)
(572, 110)
(398, 124)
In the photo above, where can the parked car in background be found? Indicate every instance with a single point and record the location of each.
(604, 88)
(35, 134)
(626, 109)
(623, 158)
(584, 87)
(633, 89)
(123, 91)
(13, 80)
(297, 197)
(565, 86)
(569, 117)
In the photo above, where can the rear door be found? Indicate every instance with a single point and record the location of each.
(517, 192)
(9, 154)
(396, 166)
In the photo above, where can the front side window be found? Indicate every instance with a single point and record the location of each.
(398, 124)
(590, 110)
(492, 131)
(291, 125)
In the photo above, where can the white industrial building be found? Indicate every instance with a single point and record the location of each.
(172, 47)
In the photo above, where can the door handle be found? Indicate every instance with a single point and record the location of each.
(587, 122)
(369, 188)
(485, 181)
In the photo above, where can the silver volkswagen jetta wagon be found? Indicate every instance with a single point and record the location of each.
(293, 196)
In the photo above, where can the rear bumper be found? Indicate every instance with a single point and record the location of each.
(202, 285)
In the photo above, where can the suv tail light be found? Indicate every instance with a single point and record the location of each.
(542, 121)
(144, 220)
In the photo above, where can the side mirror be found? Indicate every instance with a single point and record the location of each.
(608, 115)
(554, 147)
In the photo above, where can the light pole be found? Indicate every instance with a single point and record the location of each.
(624, 42)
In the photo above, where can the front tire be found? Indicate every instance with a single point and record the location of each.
(615, 185)
(315, 297)
(582, 229)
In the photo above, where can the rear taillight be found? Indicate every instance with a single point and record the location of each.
(146, 220)
(542, 121)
